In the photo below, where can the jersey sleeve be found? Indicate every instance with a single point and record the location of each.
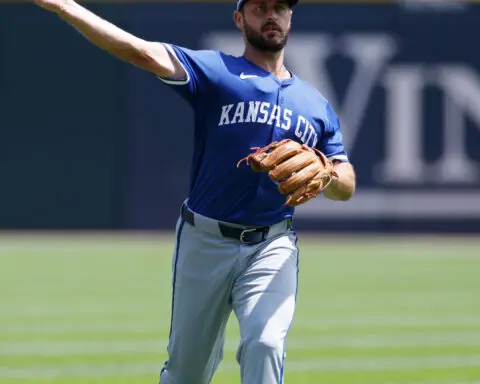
(199, 66)
(331, 142)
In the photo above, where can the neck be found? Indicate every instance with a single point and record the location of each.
(272, 62)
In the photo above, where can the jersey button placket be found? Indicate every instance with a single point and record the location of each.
(278, 134)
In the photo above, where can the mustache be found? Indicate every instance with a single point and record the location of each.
(272, 25)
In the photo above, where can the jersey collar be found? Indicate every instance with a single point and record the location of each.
(257, 68)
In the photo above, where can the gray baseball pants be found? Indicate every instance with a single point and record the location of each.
(213, 275)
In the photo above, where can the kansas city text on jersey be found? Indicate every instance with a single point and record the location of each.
(267, 113)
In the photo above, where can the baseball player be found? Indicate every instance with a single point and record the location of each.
(236, 250)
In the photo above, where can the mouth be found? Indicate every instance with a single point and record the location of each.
(272, 28)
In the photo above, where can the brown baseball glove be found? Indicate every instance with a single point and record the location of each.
(301, 173)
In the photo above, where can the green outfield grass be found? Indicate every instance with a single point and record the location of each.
(96, 310)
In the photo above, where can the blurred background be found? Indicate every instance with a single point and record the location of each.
(89, 142)
(95, 162)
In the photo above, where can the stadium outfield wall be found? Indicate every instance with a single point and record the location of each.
(89, 142)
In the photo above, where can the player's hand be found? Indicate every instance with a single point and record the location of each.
(53, 5)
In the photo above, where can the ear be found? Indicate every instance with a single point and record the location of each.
(290, 21)
(238, 19)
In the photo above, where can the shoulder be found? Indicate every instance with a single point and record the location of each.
(211, 62)
(205, 54)
(313, 96)
(199, 54)
(310, 91)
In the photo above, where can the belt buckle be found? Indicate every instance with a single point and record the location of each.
(242, 235)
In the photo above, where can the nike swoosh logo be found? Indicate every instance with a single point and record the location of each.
(243, 76)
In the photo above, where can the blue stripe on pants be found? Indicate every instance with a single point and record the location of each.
(177, 248)
(296, 292)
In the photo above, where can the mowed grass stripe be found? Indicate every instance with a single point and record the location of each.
(370, 309)
(86, 347)
(317, 365)
(434, 382)
(333, 322)
(297, 333)
(158, 354)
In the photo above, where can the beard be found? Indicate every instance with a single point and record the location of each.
(273, 43)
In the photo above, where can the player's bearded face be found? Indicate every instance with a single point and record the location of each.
(270, 37)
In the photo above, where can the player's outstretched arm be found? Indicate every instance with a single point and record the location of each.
(150, 56)
(343, 187)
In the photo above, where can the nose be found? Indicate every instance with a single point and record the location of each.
(272, 14)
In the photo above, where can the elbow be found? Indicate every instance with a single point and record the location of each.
(343, 188)
(140, 57)
(340, 194)
(345, 195)
(129, 54)
(149, 61)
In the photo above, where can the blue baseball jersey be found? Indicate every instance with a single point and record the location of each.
(237, 106)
